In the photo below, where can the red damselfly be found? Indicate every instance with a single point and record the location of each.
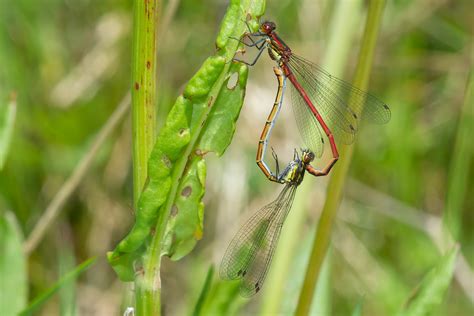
(249, 255)
(250, 252)
(263, 141)
(319, 99)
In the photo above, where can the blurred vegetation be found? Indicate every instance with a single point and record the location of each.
(69, 64)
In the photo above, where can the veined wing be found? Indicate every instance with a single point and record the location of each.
(250, 252)
(307, 124)
(341, 105)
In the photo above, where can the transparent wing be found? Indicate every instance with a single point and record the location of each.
(307, 124)
(338, 102)
(251, 250)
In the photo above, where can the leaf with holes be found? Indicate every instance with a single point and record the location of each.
(221, 123)
(185, 224)
(190, 129)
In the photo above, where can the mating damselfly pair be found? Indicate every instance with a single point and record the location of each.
(321, 103)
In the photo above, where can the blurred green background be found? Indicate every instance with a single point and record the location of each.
(69, 64)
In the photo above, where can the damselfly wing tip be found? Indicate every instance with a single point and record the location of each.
(257, 287)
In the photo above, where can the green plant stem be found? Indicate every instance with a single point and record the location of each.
(148, 287)
(334, 192)
(148, 280)
(143, 89)
(459, 169)
(144, 62)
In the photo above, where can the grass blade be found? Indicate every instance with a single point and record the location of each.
(204, 292)
(429, 294)
(7, 122)
(13, 276)
(44, 297)
(358, 309)
(459, 170)
(67, 293)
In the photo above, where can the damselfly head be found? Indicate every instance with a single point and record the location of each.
(267, 27)
(307, 156)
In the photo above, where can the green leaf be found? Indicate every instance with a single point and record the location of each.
(204, 292)
(221, 123)
(44, 297)
(201, 120)
(358, 309)
(462, 154)
(185, 225)
(322, 296)
(233, 18)
(7, 122)
(428, 295)
(13, 282)
(67, 293)
(223, 299)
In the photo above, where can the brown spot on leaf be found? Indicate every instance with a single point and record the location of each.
(174, 211)
(209, 103)
(137, 86)
(166, 161)
(139, 270)
(198, 233)
(187, 191)
(182, 131)
(148, 64)
(200, 152)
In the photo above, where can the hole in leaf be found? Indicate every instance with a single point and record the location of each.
(183, 131)
(199, 152)
(138, 268)
(232, 82)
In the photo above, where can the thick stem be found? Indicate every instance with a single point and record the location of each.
(334, 192)
(144, 63)
(143, 89)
